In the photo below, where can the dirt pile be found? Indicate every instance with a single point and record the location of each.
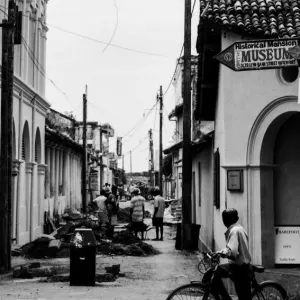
(125, 243)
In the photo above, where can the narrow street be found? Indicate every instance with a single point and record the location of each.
(146, 278)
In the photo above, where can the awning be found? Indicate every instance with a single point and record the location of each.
(173, 148)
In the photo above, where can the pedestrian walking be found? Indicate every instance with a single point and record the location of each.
(158, 215)
(137, 212)
(101, 202)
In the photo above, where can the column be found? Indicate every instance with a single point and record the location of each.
(52, 172)
(15, 206)
(41, 196)
(61, 162)
(33, 202)
(65, 182)
(28, 203)
(71, 181)
(56, 186)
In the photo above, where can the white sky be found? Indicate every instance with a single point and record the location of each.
(122, 84)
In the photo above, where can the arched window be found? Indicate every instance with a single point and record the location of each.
(37, 148)
(26, 143)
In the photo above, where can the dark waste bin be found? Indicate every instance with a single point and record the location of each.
(193, 231)
(83, 258)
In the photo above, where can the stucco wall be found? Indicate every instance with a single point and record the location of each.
(241, 98)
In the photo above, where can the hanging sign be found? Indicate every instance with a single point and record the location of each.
(287, 245)
(94, 184)
(119, 146)
(258, 55)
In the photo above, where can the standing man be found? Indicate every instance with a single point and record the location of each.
(101, 202)
(137, 211)
(158, 216)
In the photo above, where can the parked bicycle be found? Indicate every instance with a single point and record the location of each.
(266, 290)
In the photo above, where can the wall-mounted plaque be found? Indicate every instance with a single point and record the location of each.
(235, 180)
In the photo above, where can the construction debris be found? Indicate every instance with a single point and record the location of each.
(58, 243)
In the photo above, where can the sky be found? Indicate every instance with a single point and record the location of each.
(123, 51)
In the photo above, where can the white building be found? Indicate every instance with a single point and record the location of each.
(29, 111)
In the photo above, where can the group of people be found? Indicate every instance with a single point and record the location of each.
(107, 206)
(137, 213)
(236, 250)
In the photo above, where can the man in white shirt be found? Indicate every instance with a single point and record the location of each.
(101, 202)
(238, 268)
(158, 216)
(137, 211)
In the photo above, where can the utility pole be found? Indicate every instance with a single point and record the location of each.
(101, 160)
(151, 161)
(130, 167)
(84, 159)
(7, 80)
(123, 171)
(186, 149)
(160, 140)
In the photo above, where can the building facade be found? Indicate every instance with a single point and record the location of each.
(29, 111)
(252, 163)
(63, 157)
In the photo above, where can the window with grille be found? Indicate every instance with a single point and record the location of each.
(23, 148)
(217, 179)
(35, 151)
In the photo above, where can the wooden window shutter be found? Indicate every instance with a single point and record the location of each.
(217, 179)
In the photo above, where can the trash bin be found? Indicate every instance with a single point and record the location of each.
(193, 231)
(83, 258)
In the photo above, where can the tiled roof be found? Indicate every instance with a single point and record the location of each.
(267, 18)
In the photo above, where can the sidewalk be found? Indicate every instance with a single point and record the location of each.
(146, 278)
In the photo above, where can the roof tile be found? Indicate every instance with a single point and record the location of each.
(268, 18)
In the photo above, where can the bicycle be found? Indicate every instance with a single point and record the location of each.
(266, 290)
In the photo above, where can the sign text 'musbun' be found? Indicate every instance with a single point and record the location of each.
(259, 54)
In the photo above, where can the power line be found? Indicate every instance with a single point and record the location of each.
(34, 59)
(140, 122)
(117, 23)
(178, 59)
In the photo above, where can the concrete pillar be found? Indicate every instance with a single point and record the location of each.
(65, 182)
(71, 181)
(47, 173)
(28, 195)
(34, 206)
(61, 162)
(56, 186)
(22, 233)
(15, 206)
(41, 197)
(52, 173)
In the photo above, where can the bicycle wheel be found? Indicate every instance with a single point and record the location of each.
(269, 290)
(193, 291)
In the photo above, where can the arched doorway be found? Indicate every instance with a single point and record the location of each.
(272, 149)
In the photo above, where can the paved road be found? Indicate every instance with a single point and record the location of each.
(147, 278)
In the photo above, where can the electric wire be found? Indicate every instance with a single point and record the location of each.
(96, 40)
(35, 60)
(178, 58)
(116, 27)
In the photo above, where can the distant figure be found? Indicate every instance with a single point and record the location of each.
(137, 212)
(106, 187)
(158, 216)
(101, 202)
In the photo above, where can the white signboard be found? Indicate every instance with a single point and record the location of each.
(287, 245)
